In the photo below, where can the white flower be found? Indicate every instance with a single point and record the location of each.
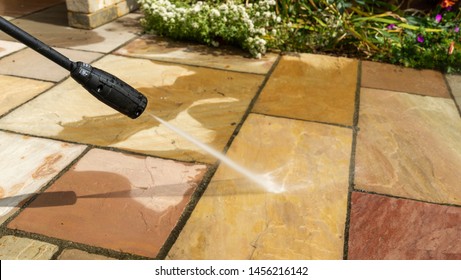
(215, 13)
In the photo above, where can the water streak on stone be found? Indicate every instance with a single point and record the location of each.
(263, 181)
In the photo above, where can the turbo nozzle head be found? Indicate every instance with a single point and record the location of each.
(110, 90)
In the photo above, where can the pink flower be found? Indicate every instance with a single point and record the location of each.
(420, 38)
(438, 18)
(391, 26)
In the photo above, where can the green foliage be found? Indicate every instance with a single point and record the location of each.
(370, 29)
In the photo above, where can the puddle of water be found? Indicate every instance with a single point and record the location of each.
(262, 180)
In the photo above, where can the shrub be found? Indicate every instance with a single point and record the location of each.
(213, 22)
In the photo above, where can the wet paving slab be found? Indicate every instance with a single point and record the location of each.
(204, 102)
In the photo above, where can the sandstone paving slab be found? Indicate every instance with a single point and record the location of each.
(28, 63)
(51, 27)
(112, 200)
(75, 254)
(16, 91)
(28, 164)
(396, 78)
(311, 87)
(205, 103)
(409, 146)
(18, 248)
(397, 229)
(454, 82)
(162, 49)
(236, 219)
(7, 47)
(24, 7)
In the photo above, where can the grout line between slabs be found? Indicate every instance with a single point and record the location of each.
(355, 130)
(304, 120)
(408, 198)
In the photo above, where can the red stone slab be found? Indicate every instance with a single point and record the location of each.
(115, 201)
(396, 78)
(389, 228)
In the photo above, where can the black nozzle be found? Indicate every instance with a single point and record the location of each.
(109, 89)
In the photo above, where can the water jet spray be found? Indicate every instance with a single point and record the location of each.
(107, 88)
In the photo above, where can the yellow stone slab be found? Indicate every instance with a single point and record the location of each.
(409, 146)
(236, 219)
(311, 87)
(16, 91)
(205, 103)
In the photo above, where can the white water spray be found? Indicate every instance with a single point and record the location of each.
(263, 181)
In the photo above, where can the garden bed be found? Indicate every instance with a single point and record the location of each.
(417, 34)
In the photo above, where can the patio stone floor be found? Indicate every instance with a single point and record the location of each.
(368, 154)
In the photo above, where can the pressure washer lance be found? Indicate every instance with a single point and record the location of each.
(106, 87)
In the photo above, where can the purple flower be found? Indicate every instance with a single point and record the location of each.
(391, 26)
(420, 38)
(457, 29)
(438, 18)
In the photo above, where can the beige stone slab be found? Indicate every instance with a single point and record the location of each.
(311, 87)
(236, 219)
(74, 254)
(17, 248)
(51, 26)
(28, 164)
(28, 63)
(7, 47)
(409, 146)
(162, 49)
(19, 90)
(205, 103)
